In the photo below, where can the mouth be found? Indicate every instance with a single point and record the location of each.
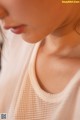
(18, 29)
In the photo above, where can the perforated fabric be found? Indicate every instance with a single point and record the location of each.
(30, 102)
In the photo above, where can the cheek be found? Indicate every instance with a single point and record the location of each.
(15, 8)
(20, 11)
(28, 11)
(37, 13)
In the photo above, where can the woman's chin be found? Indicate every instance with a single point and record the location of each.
(30, 39)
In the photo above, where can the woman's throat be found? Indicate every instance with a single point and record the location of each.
(67, 51)
(61, 47)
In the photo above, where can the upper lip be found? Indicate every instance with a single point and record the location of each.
(12, 27)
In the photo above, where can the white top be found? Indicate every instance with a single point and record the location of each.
(21, 95)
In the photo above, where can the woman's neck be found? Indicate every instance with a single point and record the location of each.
(67, 45)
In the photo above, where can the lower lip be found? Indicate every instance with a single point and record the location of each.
(18, 30)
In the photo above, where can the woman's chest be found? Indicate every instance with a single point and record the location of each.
(52, 74)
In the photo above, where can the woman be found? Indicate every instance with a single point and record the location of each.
(40, 75)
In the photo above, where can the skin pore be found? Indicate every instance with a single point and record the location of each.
(54, 23)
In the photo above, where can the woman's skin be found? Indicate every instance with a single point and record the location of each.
(54, 23)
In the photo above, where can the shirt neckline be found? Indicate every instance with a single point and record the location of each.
(48, 97)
